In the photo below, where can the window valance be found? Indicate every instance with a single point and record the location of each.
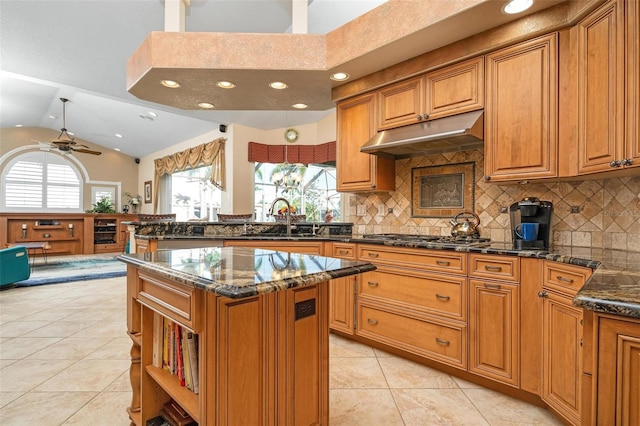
(207, 154)
(305, 154)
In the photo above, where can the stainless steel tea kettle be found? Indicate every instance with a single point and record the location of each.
(465, 228)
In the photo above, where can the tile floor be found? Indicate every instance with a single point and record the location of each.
(64, 359)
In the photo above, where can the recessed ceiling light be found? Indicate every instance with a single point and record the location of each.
(118, 135)
(170, 84)
(225, 84)
(300, 106)
(53, 117)
(278, 85)
(153, 114)
(517, 6)
(117, 149)
(206, 105)
(339, 76)
(146, 117)
(19, 125)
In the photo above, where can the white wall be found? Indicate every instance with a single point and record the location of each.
(238, 196)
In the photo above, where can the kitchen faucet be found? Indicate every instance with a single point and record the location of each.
(270, 213)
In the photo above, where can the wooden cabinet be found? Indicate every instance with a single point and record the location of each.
(494, 317)
(241, 381)
(356, 171)
(521, 114)
(562, 339)
(617, 378)
(342, 292)
(109, 234)
(405, 305)
(64, 233)
(452, 90)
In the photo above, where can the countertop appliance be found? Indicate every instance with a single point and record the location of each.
(531, 210)
(443, 240)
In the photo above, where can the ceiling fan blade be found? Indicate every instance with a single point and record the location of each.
(62, 142)
(86, 151)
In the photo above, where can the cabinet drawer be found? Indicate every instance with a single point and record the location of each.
(343, 250)
(173, 300)
(505, 268)
(565, 278)
(430, 293)
(433, 260)
(438, 340)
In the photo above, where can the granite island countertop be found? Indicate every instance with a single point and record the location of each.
(239, 272)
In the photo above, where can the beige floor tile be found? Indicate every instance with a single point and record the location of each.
(93, 314)
(61, 328)
(503, 410)
(20, 328)
(24, 375)
(464, 384)
(117, 348)
(355, 373)
(86, 375)
(340, 347)
(437, 407)
(106, 409)
(121, 384)
(71, 348)
(402, 373)
(43, 409)
(21, 347)
(382, 354)
(5, 362)
(362, 407)
(7, 397)
(108, 327)
(52, 314)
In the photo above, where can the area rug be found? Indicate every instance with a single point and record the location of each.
(74, 268)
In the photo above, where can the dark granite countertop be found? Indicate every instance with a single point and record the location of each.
(238, 272)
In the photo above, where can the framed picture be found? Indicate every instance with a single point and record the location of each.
(147, 192)
(443, 191)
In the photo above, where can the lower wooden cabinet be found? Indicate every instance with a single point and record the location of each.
(494, 330)
(562, 356)
(342, 291)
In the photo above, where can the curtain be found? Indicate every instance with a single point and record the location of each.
(207, 154)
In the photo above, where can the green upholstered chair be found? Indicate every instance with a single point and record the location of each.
(14, 265)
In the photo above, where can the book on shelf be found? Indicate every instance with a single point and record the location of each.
(176, 415)
(175, 350)
(192, 344)
(158, 330)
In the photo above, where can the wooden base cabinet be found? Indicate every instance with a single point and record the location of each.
(261, 362)
(342, 292)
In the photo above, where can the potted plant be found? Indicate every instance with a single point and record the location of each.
(133, 200)
(105, 205)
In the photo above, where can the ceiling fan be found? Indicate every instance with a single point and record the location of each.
(64, 142)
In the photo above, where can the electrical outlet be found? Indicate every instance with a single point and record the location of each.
(380, 209)
(389, 210)
(575, 209)
(361, 210)
(503, 209)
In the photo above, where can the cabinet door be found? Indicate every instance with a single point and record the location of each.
(562, 362)
(494, 330)
(455, 89)
(400, 104)
(521, 126)
(341, 304)
(618, 372)
(632, 27)
(358, 171)
(600, 88)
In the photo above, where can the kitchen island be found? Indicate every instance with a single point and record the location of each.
(260, 319)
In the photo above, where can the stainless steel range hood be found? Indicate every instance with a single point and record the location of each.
(456, 133)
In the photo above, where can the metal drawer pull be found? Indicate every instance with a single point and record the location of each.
(343, 251)
(372, 284)
(493, 286)
(441, 297)
(372, 321)
(493, 268)
(442, 342)
(566, 280)
(443, 262)
(373, 254)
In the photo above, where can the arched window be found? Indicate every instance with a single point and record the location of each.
(41, 181)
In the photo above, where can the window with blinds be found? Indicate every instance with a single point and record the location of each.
(41, 181)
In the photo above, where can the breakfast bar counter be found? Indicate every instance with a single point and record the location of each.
(259, 322)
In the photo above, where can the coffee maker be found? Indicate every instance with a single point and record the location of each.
(531, 210)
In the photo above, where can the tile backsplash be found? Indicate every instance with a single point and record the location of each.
(608, 210)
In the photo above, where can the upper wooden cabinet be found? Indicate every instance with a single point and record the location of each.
(358, 171)
(521, 124)
(448, 91)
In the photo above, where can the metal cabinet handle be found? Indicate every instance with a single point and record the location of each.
(563, 279)
(542, 294)
(442, 297)
(418, 117)
(372, 321)
(442, 342)
(629, 161)
(372, 284)
(492, 286)
(615, 163)
(493, 268)
(443, 262)
(426, 116)
(343, 251)
(373, 254)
